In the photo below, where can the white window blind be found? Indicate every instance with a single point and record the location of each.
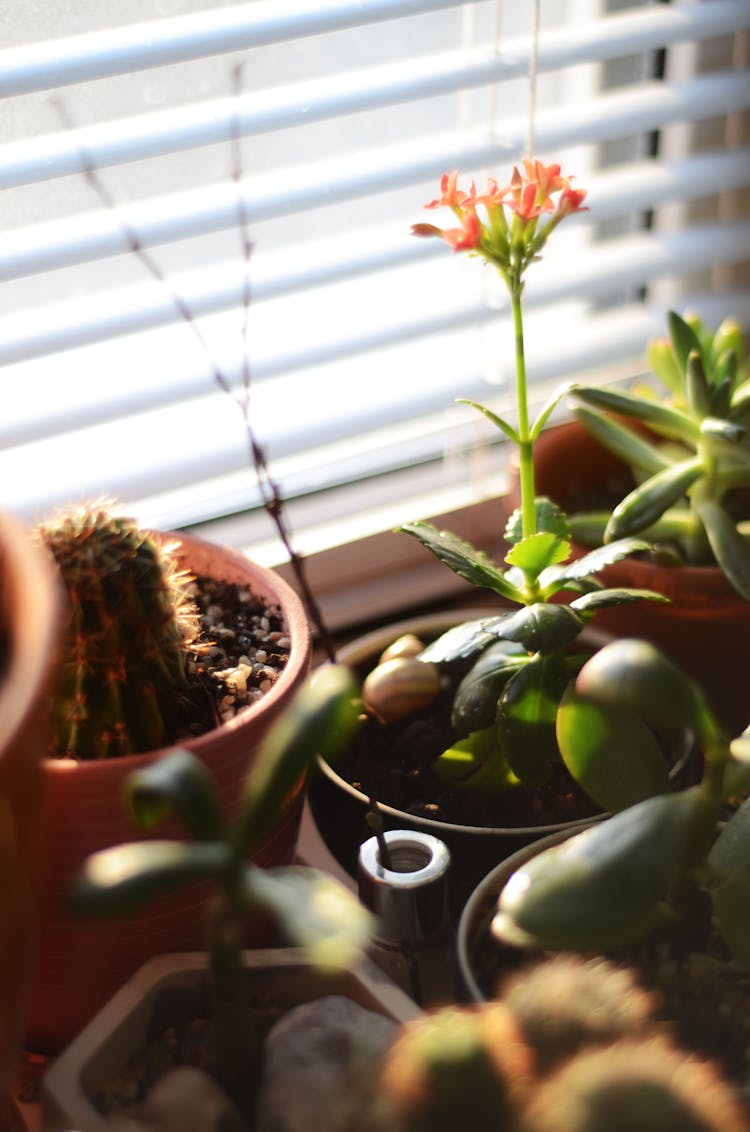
(359, 336)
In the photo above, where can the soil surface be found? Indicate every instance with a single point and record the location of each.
(395, 763)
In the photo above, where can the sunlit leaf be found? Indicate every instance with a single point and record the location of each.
(497, 421)
(462, 558)
(604, 599)
(610, 752)
(591, 563)
(526, 718)
(628, 445)
(539, 627)
(538, 551)
(461, 642)
(603, 888)
(730, 549)
(684, 339)
(655, 413)
(118, 880)
(316, 913)
(651, 499)
(697, 389)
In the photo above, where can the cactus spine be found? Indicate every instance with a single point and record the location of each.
(132, 623)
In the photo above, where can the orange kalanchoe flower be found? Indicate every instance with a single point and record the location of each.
(572, 201)
(451, 195)
(468, 236)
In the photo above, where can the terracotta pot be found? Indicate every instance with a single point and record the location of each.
(82, 963)
(340, 810)
(29, 623)
(706, 625)
(119, 1030)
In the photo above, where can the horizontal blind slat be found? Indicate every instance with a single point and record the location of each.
(175, 216)
(208, 122)
(631, 261)
(125, 310)
(155, 43)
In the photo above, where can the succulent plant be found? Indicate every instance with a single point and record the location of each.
(695, 453)
(635, 1086)
(132, 623)
(660, 863)
(458, 1067)
(565, 1004)
(315, 912)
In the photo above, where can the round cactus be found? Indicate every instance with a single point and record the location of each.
(635, 1086)
(132, 623)
(567, 1003)
(460, 1067)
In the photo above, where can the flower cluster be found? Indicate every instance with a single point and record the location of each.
(510, 246)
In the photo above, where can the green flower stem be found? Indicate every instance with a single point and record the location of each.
(525, 447)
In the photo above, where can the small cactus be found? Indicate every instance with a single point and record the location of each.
(566, 1003)
(460, 1067)
(635, 1086)
(132, 623)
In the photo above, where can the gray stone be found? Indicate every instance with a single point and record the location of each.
(322, 1066)
(183, 1100)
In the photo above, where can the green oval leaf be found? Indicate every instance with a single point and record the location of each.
(526, 718)
(603, 888)
(316, 913)
(610, 752)
(540, 627)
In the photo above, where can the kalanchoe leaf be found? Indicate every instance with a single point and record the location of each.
(652, 498)
(624, 442)
(730, 549)
(460, 642)
(697, 391)
(547, 409)
(463, 559)
(321, 719)
(540, 627)
(605, 599)
(315, 912)
(603, 888)
(475, 701)
(526, 718)
(548, 516)
(661, 417)
(533, 554)
(176, 783)
(116, 881)
(610, 752)
(684, 340)
(591, 563)
(503, 425)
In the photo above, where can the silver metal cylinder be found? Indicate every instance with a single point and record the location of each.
(409, 899)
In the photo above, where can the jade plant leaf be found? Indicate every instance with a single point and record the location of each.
(116, 881)
(315, 912)
(494, 419)
(651, 499)
(610, 752)
(475, 701)
(321, 719)
(526, 717)
(730, 856)
(731, 550)
(603, 888)
(177, 783)
(539, 627)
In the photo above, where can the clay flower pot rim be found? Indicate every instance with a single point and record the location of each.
(373, 643)
(266, 585)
